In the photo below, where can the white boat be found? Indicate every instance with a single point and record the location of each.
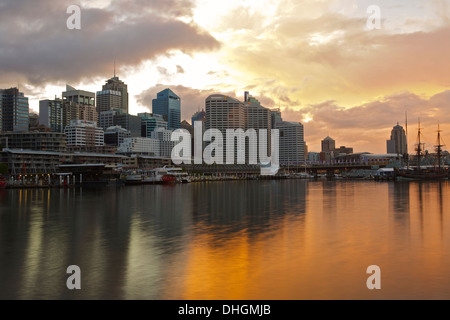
(133, 177)
(163, 175)
(305, 175)
(185, 180)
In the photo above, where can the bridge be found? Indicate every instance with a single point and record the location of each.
(328, 168)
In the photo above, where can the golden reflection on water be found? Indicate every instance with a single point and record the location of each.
(292, 239)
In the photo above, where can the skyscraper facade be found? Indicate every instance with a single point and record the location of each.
(82, 133)
(168, 104)
(258, 117)
(130, 122)
(292, 144)
(114, 95)
(78, 105)
(149, 122)
(275, 117)
(79, 96)
(14, 110)
(397, 144)
(109, 100)
(106, 119)
(328, 144)
(51, 114)
(222, 113)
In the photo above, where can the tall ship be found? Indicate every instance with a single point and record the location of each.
(420, 172)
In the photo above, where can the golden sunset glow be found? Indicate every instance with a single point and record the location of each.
(315, 60)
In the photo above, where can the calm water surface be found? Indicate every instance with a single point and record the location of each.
(292, 239)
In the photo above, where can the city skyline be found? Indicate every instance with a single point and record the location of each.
(316, 60)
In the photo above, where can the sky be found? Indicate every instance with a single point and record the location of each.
(316, 60)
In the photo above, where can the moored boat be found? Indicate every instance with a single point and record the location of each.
(419, 172)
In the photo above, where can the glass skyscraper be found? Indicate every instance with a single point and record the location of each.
(168, 104)
(14, 110)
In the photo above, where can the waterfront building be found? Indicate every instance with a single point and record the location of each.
(14, 110)
(115, 135)
(114, 96)
(130, 122)
(343, 149)
(168, 104)
(149, 122)
(380, 159)
(81, 133)
(139, 145)
(398, 143)
(292, 144)
(34, 140)
(30, 161)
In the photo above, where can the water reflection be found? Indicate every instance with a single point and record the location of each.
(292, 239)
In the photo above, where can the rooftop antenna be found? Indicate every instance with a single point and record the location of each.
(114, 68)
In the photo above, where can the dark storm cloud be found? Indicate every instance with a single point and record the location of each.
(36, 45)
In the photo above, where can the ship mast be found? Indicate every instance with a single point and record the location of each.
(439, 148)
(419, 147)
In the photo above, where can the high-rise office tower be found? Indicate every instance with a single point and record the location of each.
(79, 105)
(292, 144)
(258, 117)
(57, 113)
(79, 96)
(275, 117)
(168, 104)
(397, 144)
(114, 96)
(14, 110)
(109, 100)
(328, 145)
(222, 113)
(51, 114)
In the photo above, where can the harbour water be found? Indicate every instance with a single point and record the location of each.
(273, 239)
